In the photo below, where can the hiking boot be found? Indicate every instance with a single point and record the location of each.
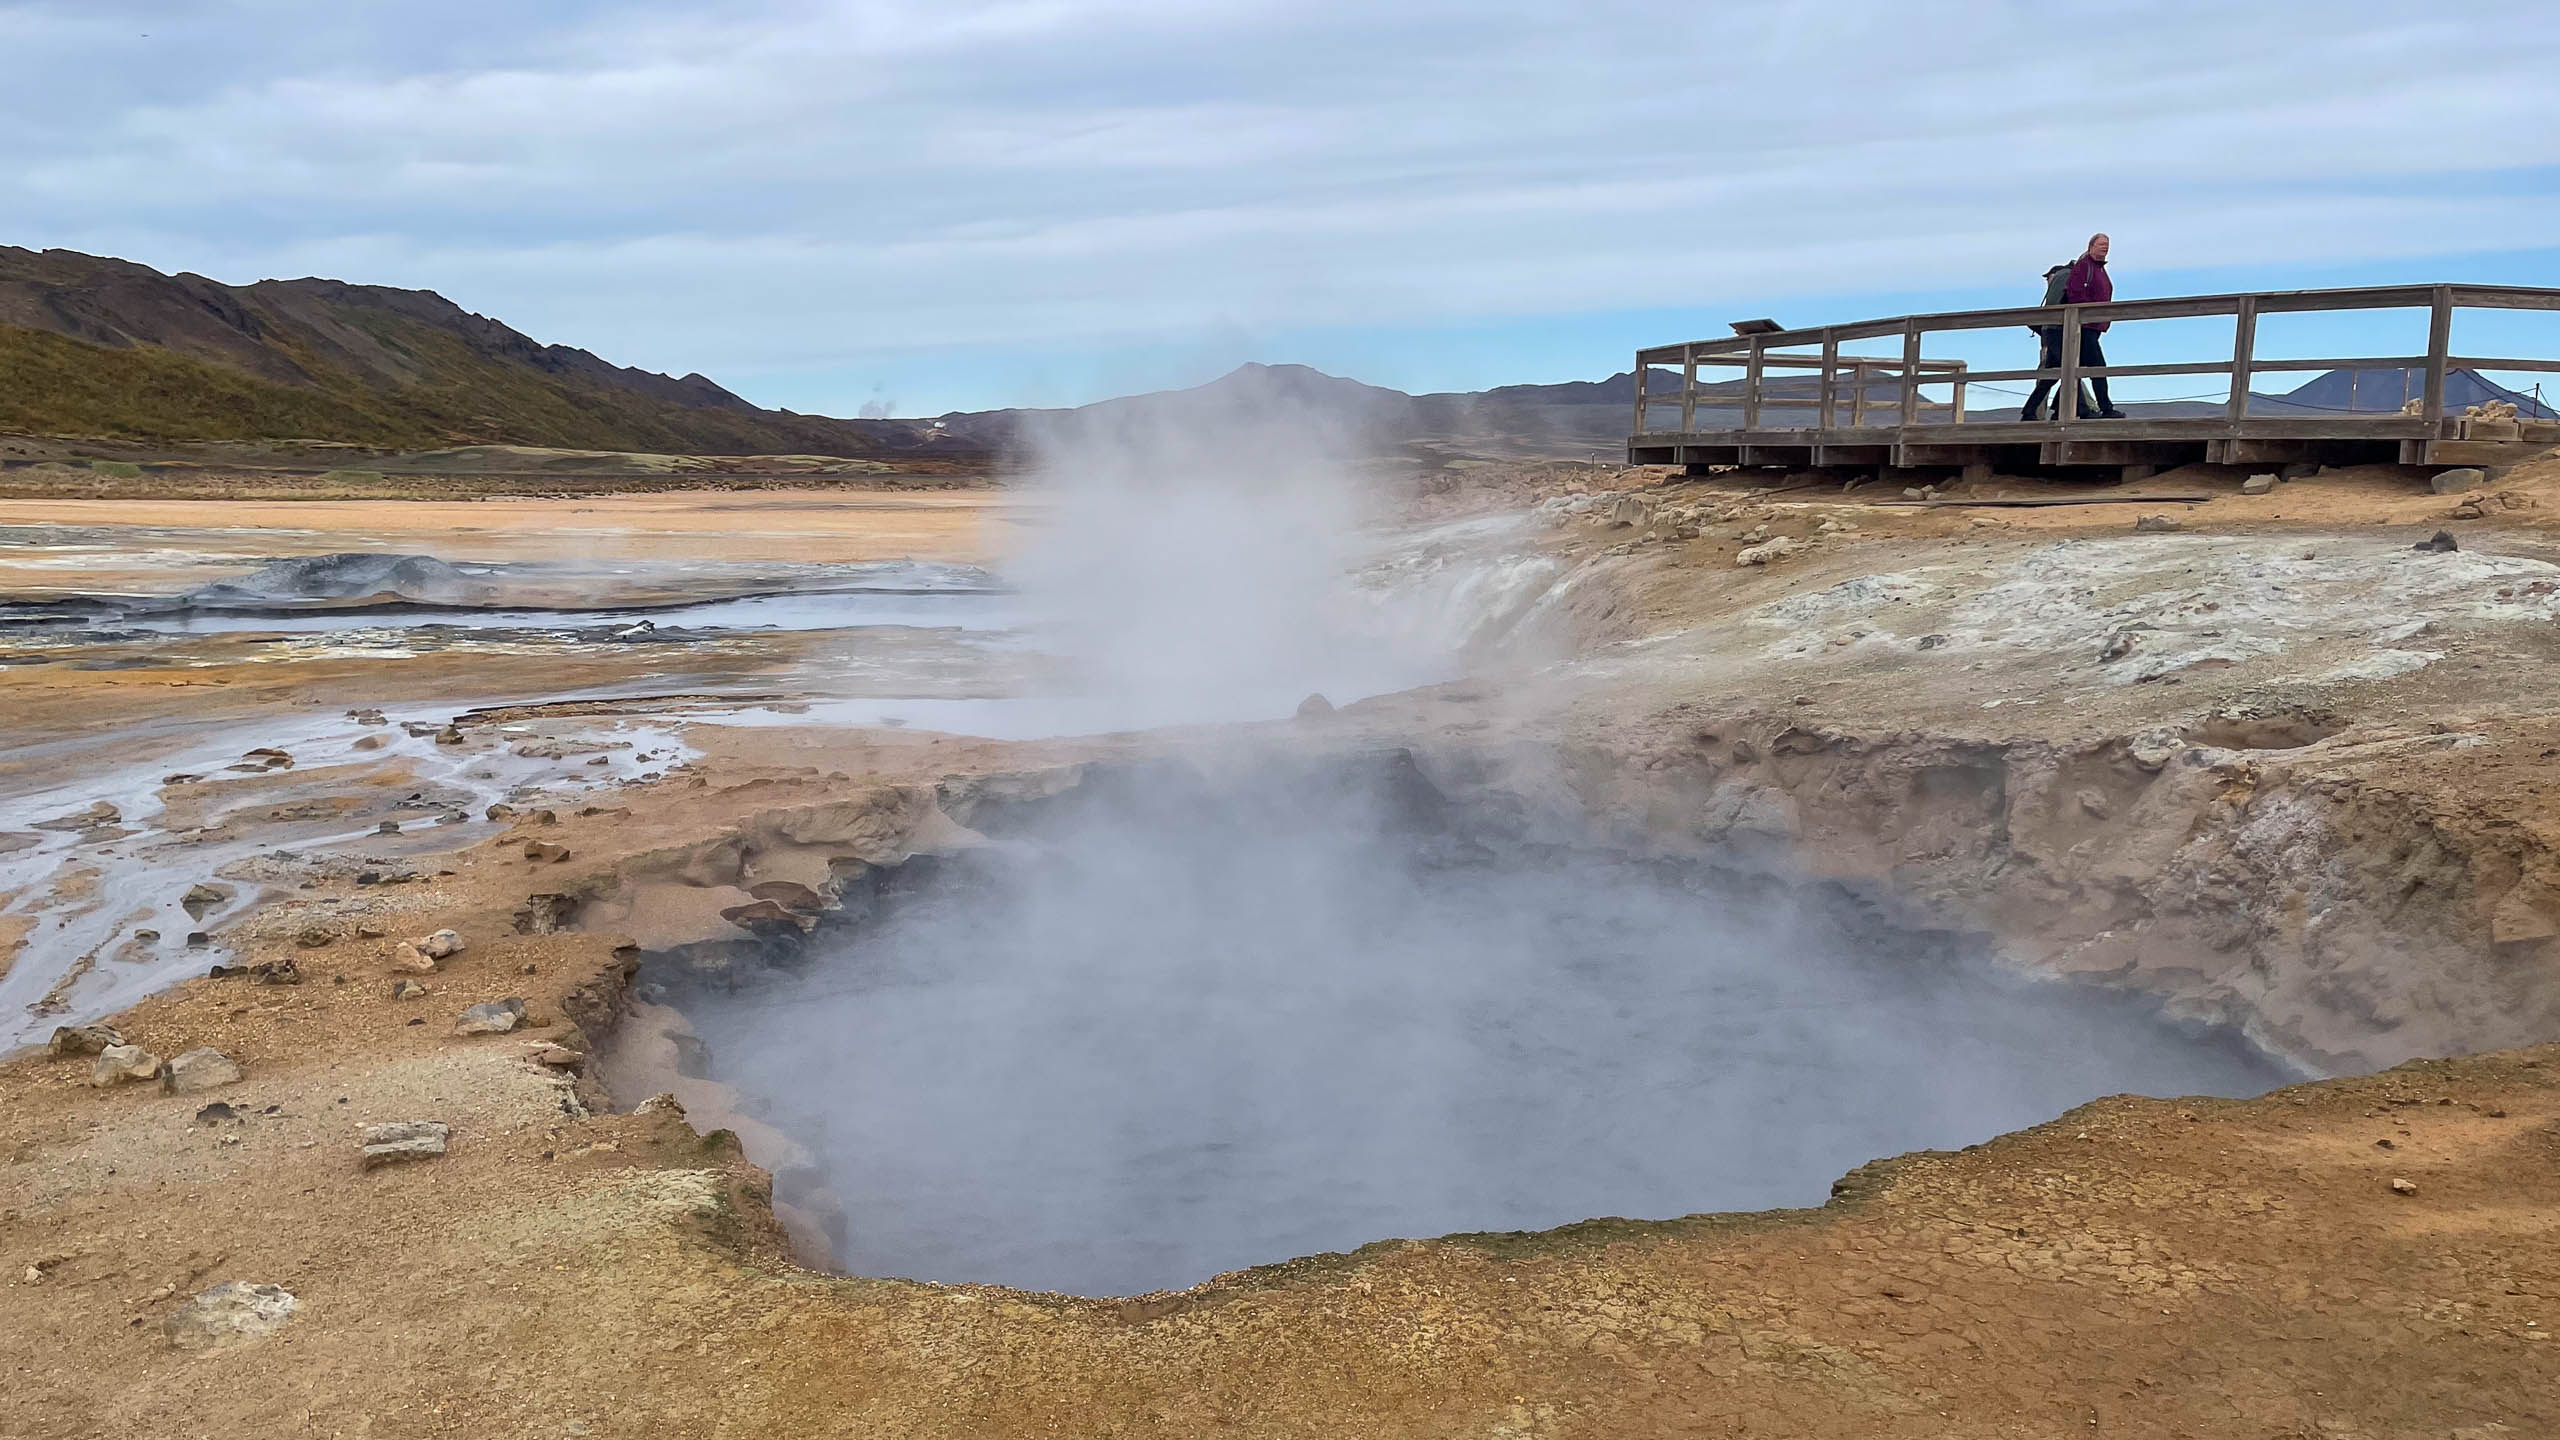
(2110, 413)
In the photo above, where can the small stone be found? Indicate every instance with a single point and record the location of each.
(449, 735)
(118, 1063)
(315, 937)
(83, 1039)
(559, 1057)
(200, 898)
(2403, 1187)
(2467, 510)
(387, 827)
(496, 1017)
(2094, 804)
(500, 811)
(231, 1313)
(2156, 525)
(1932, 642)
(2455, 481)
(404, 1140)
(406, 989)
(216, 1113)
(539, 851)
(1314, 706)
(442, 945)
(367, 742)
(2299, 470)
(2440, 543)
(2258, 485)
(406, 956)
(203, 1068)
(2119, 645)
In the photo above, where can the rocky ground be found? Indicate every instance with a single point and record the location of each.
(2266, 761)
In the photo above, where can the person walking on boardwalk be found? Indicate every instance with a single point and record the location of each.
(2086, 283)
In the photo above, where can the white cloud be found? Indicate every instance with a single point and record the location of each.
(764, 187)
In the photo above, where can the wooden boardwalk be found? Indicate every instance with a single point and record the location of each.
(1802, 401)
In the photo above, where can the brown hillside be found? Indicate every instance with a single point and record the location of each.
(97, 346)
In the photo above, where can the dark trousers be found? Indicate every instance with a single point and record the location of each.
(2051, 356)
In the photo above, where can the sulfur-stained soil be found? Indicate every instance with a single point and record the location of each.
(2375, 1256)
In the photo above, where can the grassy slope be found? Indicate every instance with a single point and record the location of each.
(54, 385)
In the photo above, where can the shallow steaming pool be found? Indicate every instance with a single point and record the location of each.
(1166, 1027)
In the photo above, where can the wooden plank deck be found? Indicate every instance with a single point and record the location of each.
(1825, 408)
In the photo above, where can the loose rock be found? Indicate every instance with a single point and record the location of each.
(2440, 543)
(1768, 550)
(540, 851)
(2454, 482)
(2258, 485)
(496, 1017)
(441, 945)
(545, 914)
(404, 1140)
(408, 957)
(407, 989)
(231, 1313)
(83, 1039)
(2400, 1186)
(203, 1068)
(2156, 525)
(118, 1063)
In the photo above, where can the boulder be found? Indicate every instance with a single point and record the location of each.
(1314, 706)
(2258, 485)
(1768, 550)
(118, 1063)
(496, 1017)
(2454, 482)
(203, 1068)
(545, 914)
(83, 1039)
(2440, 543)
(230, 1313)
(404, 1140)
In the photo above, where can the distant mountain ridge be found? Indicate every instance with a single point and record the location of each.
(96, 346)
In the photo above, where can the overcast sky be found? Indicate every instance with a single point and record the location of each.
(964, 203)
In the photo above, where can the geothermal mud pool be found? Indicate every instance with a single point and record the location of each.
(1169, 1024)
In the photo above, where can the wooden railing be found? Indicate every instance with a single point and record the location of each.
(1756, 355)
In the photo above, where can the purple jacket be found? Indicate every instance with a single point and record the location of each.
(2089, 285)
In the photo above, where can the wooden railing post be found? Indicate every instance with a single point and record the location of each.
(1751, 387)
(1959, 395)
(2066, 405)
(1858, 379)
(1641, 367)
(2244, 353)
(1911, 373)
(1830, 378)
(2439, 345)
(1688, 389)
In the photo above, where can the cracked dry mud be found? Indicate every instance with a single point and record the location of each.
(2286, 826)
